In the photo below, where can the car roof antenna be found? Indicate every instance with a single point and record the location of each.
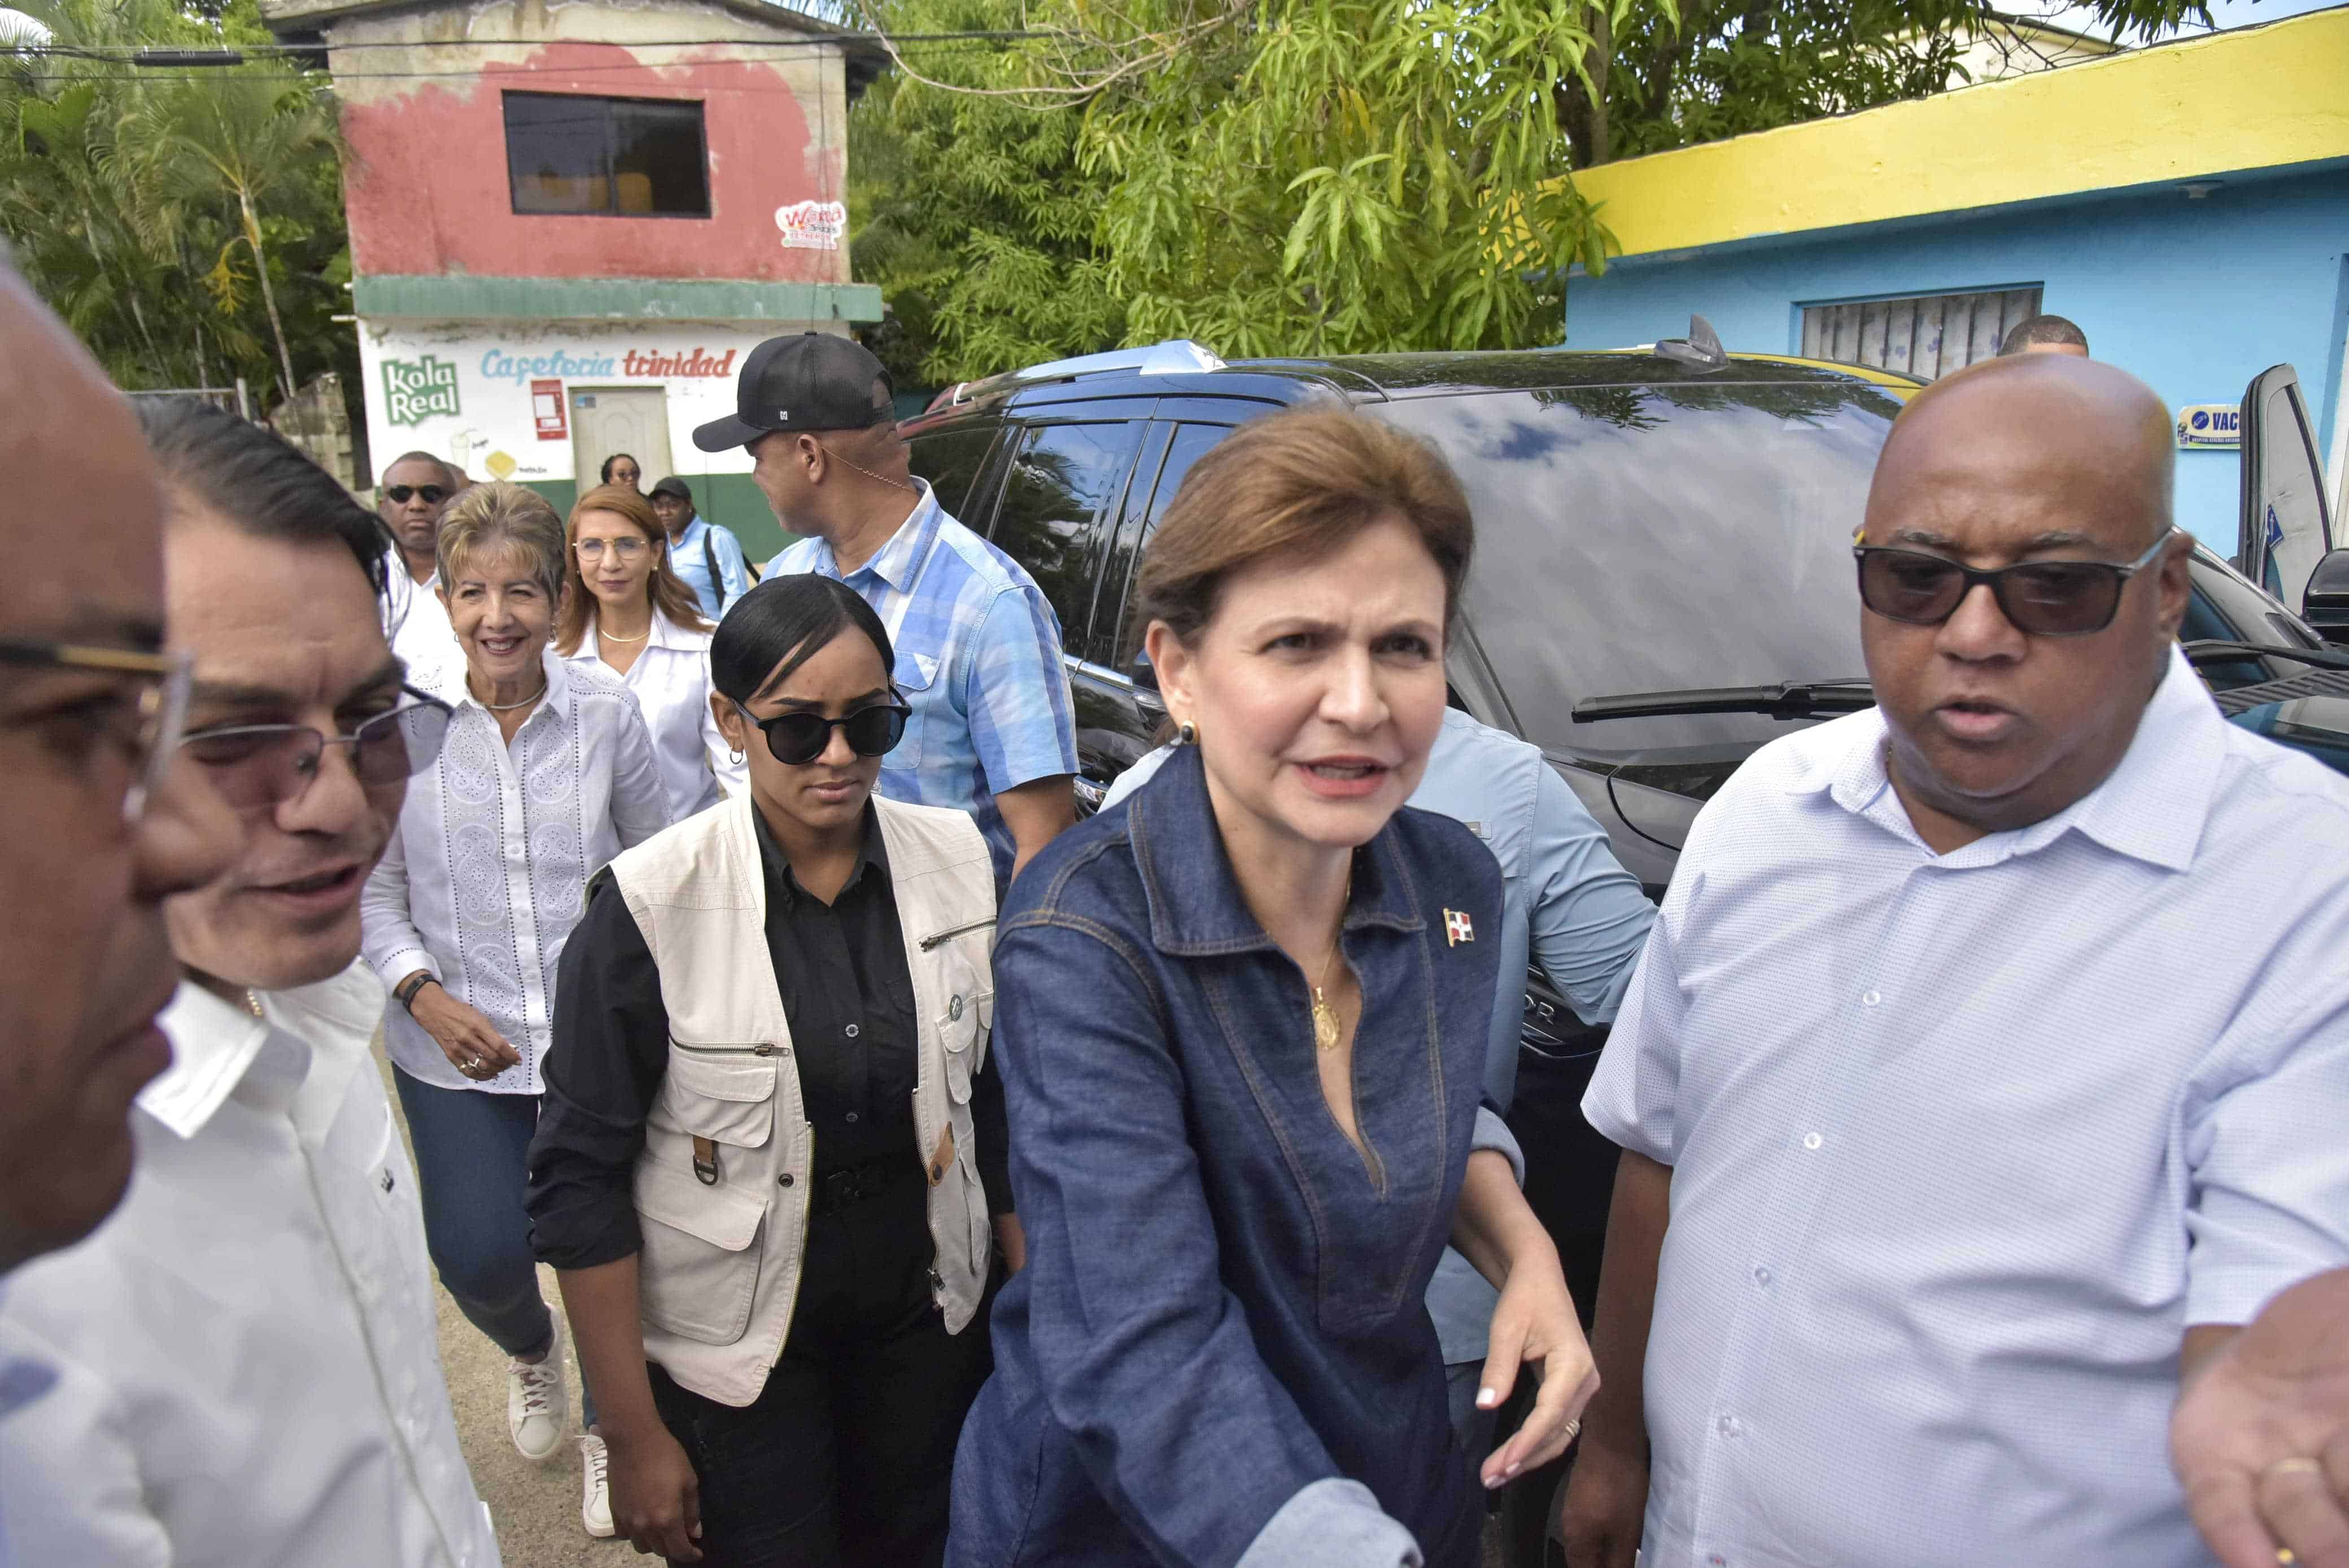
(1702, 347)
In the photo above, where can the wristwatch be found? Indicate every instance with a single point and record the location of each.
(408, 988)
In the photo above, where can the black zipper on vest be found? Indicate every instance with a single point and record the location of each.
(929, 943)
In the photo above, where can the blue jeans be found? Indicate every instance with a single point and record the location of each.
(470, 1164)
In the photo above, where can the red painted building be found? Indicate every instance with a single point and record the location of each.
(570, 222)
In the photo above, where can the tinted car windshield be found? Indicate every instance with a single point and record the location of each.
(1660, 539)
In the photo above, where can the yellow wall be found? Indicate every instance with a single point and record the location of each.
(2252, 98)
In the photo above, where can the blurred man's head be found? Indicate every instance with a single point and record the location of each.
(272, 572)
(2007, 704)
(673, 504)
(85, 965)
(2045, 335)
(415, 491)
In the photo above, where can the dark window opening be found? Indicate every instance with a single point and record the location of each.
(624, 158)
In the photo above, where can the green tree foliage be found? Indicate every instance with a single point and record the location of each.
(1313, 176)
(187, 221)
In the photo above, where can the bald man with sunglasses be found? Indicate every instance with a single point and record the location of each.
(1990, 1057)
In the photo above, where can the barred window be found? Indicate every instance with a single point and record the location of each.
(1924, 335)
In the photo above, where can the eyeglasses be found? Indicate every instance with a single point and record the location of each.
(433, 494)
(260, 766)
(796, 739)
(626, 548)
(145, 731)
(2040, 598)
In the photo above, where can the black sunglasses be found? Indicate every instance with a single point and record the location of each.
(258, 765)
(433, 494)
(2040, 598)
(796, 739)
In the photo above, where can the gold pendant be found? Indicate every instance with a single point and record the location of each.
(1325, 1022)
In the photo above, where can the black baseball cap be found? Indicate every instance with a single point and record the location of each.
(672, 485)
(815, 381)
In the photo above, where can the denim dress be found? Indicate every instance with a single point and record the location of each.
(1223, 1303)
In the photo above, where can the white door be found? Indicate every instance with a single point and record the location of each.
(608, 419)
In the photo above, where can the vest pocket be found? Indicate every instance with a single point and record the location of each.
(700, 1267)
(962, 1025)
(724, 1101)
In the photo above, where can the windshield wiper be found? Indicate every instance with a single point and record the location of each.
(1787, 699)
(2212, 651)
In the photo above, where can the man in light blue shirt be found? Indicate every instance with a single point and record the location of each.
(993, 730)
(1565, 903)
(1988, 1067)
(706, 557)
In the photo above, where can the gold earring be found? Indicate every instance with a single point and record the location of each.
(1186, 734)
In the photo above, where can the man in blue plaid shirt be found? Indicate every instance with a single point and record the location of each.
(979, 648)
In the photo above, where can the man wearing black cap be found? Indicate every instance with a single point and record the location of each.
(706, 557)
(978, 649)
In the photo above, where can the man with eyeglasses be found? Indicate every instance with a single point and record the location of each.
(100, 828)
(414, 495)
(1989, 1063)
(248, 1350)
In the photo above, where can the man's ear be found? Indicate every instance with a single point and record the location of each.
(2175, 585)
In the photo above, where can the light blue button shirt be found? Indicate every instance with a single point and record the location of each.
(1962, 1144)
(23, 1379)
(978, 660)
(690, 553)
(1565, 902)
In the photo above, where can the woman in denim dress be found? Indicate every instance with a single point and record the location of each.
(1242, 1020)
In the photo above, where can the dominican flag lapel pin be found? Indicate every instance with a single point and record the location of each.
(1457, 928)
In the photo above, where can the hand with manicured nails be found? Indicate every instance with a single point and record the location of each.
(655, 1496)
(463, 1035)
(2260, 1439)
(1536, 1322)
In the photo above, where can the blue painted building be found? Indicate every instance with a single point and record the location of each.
(2187, 205)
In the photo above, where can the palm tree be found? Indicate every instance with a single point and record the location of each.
(254, 134)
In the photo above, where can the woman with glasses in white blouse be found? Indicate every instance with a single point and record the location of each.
(629, 612)
(547, 772)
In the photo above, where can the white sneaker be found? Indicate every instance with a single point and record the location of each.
(536, 1412)
(596, 1487)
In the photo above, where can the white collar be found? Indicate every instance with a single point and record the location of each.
(459, 691)
(216, 1046)
(665, 634)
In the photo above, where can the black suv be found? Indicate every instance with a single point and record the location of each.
(1662, 582)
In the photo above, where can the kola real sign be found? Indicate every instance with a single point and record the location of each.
(414, 392)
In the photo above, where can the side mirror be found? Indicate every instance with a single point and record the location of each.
(2325, 605)
(1147, 679)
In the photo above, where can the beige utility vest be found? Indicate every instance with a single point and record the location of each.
(722, 1186)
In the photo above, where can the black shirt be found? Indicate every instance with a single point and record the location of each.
(848, 997)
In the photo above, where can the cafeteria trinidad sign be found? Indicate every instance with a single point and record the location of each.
(414, 391)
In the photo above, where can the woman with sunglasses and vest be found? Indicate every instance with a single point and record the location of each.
(628, 612)
(770, 1170)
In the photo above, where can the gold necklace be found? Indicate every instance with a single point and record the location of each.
(1325, 1016)
(604, 636)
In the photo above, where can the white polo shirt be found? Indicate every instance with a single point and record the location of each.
(1962, 1143)
(247, 1352)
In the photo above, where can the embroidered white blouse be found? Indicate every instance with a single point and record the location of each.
(671, 682)
(487, 873)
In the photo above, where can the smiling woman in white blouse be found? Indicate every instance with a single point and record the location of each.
(547, 773)
(626, 612)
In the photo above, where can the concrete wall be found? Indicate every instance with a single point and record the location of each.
(2194, 296)
(426, 186)
(463, 391)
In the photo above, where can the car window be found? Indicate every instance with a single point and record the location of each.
(1063, 487)
(1660, 539)
(950, 461)
(1190, 444)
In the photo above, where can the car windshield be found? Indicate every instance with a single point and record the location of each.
(1665, 539)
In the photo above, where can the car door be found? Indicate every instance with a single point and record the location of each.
(1127, 713)
(1062, 499)
(2286, 528)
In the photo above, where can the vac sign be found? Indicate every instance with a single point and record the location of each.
(414, 392)
(2211, 425)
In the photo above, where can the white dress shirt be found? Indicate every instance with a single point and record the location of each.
(417, 621)
(487, 873)
(1961, 1144)
(671, 680)
(247, 1354)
